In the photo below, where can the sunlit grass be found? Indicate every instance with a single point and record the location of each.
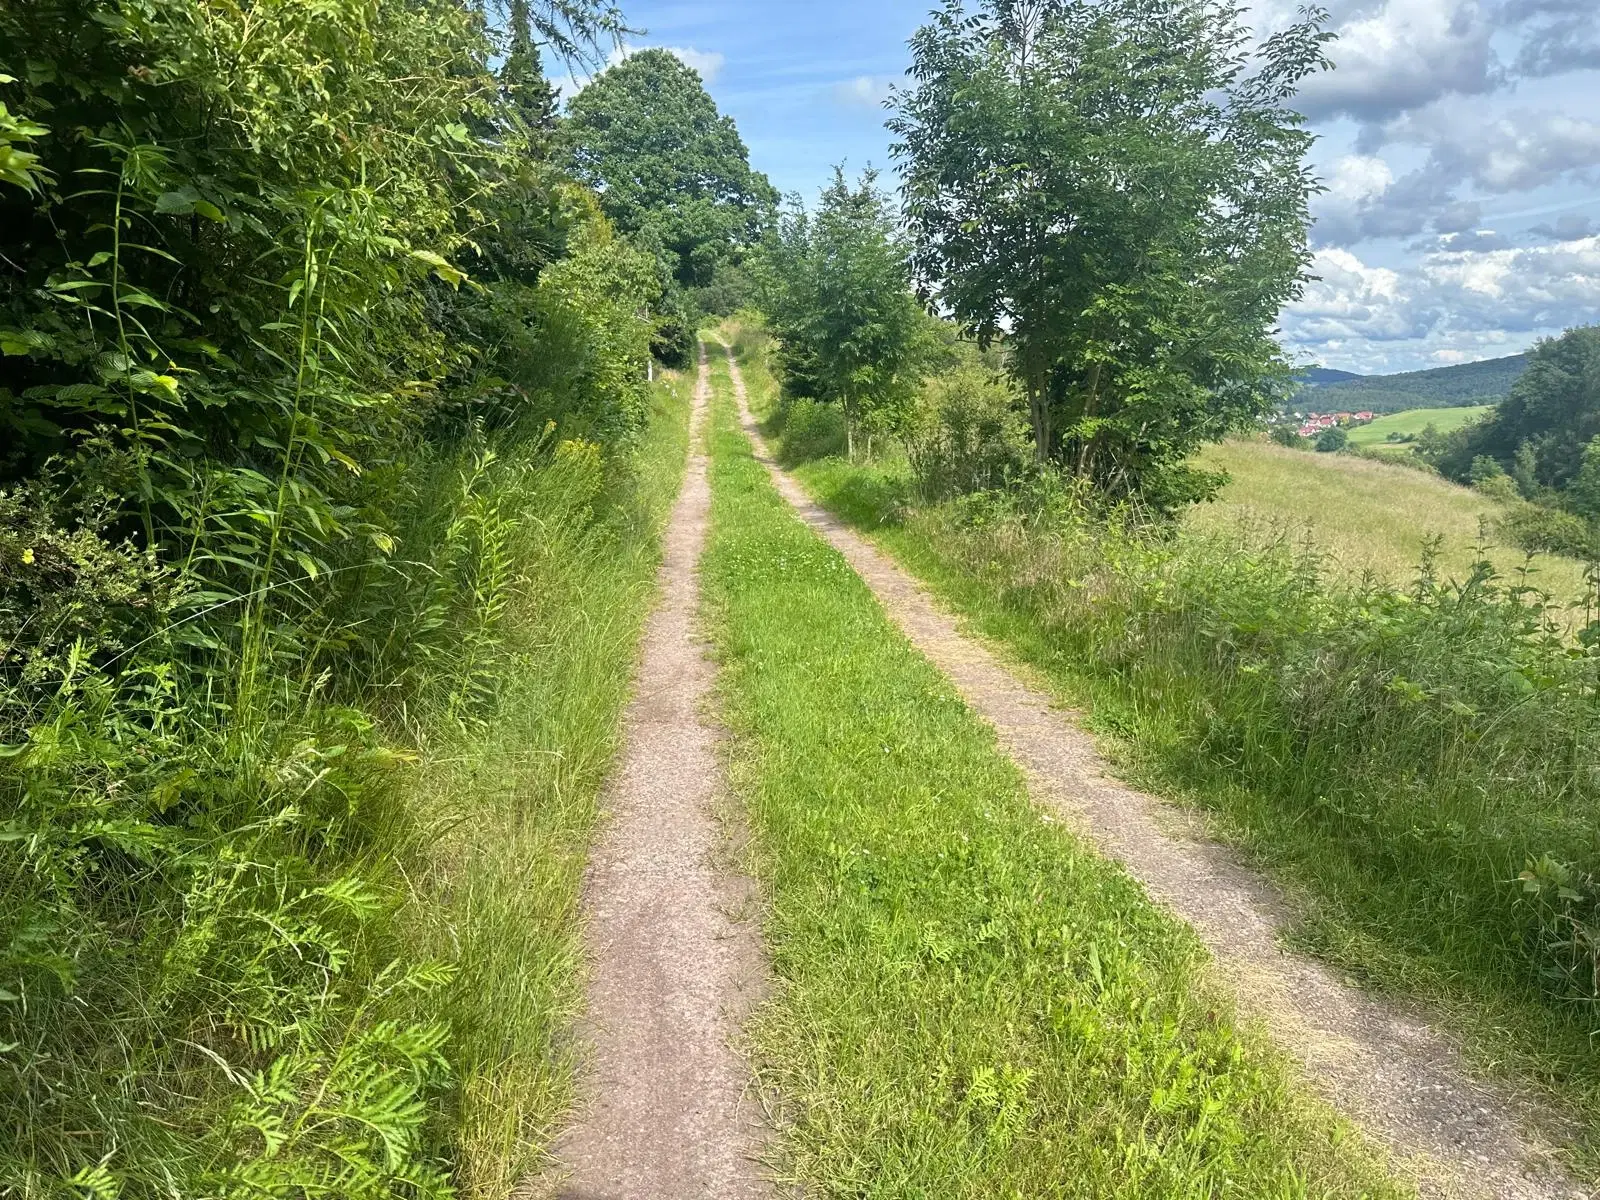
(1413, 422)
(970, 1004)
(509, 813)
(1366, 516)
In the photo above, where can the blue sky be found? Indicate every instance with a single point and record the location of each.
(1460, 147)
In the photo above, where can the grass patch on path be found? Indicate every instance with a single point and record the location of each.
(970, 1003)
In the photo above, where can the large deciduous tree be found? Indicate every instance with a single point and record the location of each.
(1118, 189)
(839, 291)
(670, 169)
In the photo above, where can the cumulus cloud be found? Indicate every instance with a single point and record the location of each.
(1567, 228)
(1451, 301)
(1519, 151)
(1403, 54)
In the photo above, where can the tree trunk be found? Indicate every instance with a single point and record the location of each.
(1090, 407)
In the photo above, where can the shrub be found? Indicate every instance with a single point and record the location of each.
(1541, 530)
(967, 433)
(1288, 435)
(1331, 441)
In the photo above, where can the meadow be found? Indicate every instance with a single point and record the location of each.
(1413, 422)
(1364, 516)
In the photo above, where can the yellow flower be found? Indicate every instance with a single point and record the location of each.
(27, 556)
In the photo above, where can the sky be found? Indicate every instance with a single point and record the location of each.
(1459, 145)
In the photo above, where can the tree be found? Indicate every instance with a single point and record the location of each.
(671, 170)
(840, 294)
(1540, 433)
(1119, 190)
(1331, 441)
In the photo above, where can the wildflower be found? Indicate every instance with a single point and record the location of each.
(27, 557)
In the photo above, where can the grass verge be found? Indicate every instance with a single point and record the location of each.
(970, 1003)
(509, 812)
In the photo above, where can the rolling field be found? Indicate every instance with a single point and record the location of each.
(1414, 422)
(1365, 515)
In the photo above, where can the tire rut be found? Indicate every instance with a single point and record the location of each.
(668, 1108)
(1385, 1069)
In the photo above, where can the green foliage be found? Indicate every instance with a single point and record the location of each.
(1119, 191)
(1542, 431)
(1539, 529)
(967, 433)
(839, 298)
(289, 317)
(669, 168)
(1331, 441)
(1288, 435)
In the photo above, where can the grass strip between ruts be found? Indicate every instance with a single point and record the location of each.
(969, 1002)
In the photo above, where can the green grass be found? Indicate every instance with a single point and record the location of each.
(1394, 765)
(1363, 515)
(969, 1003)
(1413, 422)
(508, 814)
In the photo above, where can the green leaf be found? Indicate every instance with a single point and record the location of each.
(454, 276)
(180, 203)
(210, 211)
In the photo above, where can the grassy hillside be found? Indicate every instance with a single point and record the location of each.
(1414, 421)
(1364, 515)
(1441, 387)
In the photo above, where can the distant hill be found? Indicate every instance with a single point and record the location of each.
(1442, 387)
(1326, 375)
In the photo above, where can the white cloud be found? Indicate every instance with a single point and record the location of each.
(1451, 305)
(1405, 54)
(864, 91)
(708, 64)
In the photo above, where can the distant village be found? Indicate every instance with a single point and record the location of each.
(1311, 424)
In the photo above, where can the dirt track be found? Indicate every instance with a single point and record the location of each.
(667, 1108)
(1386, 1070)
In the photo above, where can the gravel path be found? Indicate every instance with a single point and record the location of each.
(669, 1112)
(1387, 1071)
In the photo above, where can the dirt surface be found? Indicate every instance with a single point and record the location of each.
(1389, 1072)
(668, 1108)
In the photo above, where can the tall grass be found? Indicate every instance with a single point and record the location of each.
(970, 1004)
(1416, 763)
(512, 802)
(313, 938)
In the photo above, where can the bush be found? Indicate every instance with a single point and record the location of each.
(967, 433)
(1541, 530)
(1331, 441)
(810, 430)
(1288, 435)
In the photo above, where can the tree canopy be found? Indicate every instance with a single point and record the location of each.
(670, 169)
(1541, 433)
(839, 291)
(1117, 189)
